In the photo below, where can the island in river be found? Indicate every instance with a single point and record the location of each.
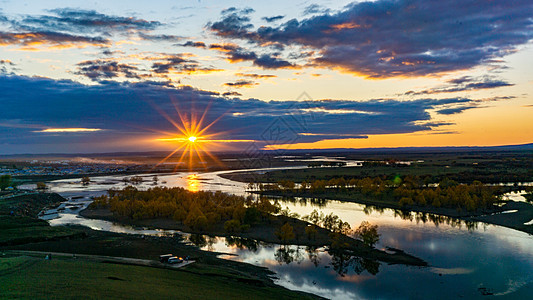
(195, 212)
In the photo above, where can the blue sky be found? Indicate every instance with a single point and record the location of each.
(116, 75)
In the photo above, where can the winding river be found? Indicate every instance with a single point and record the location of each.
(466, 260)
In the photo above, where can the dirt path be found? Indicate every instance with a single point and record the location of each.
(104, 259)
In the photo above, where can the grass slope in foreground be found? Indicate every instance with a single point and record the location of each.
(35, 278)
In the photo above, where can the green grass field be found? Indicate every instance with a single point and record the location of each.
(37, 278)
(487, 170)
(20, 230)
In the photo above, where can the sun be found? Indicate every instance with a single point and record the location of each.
(192, 139)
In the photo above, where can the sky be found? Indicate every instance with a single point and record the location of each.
(107, 76)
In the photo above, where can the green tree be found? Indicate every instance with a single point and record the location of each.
(367, 233)
(85, 180)
(41, 186)
(285, 233)
(5, 181)
(232, 226)
(311, 232)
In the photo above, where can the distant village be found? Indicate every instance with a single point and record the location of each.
(61, 167)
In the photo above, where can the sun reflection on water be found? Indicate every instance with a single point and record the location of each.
(193, 183)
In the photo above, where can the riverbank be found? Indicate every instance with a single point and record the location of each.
(28, 275)
(265, 232)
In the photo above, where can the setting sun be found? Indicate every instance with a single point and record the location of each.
(192, 139)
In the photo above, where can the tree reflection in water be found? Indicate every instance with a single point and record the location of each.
(286, 254)
(318, 202)
(202, 241)
(312, 253)
(404, 215)
(343, 262)
(242, 243)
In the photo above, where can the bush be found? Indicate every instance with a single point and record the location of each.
(232, 226)
(251, 216)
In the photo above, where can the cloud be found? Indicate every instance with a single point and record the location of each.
(88, 21)
(179, 64)
(456, 110)
(29, 40)
(315, 9)
(465, 83)
(228, 94)
(234, 22)
(241, 84)
(68, 27)
(130, 113)
(383, 38)
(193, 44)
(273, 19)
(159, 37)
(256, 76)
(235, 54)
(6, 64)
(224, 47)
(98, 70)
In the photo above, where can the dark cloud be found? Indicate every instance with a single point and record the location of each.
(224, 47)
(315, 9)
(455, 110)
(193, 44)
(236, 54)
(385, 38)
(98, 70)
(273, 19)
(53, 39)
(77, 20)
(241, 83)
(228, 94)
(159, 37)
(255, 76)
(466, 83)
(234, 23)
(128, 113)
(5, 65)
(179, 64)
(109, 52)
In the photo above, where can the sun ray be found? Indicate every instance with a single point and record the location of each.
(193, 139)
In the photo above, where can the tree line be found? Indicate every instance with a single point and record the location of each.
(403, 190)
(197, 210)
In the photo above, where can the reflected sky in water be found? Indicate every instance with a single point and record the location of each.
(464, 261)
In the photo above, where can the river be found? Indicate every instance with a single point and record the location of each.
(465, 261)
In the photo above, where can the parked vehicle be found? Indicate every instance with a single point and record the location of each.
(164, 258)
(175, 260)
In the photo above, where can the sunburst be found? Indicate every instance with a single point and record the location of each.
(193, 137)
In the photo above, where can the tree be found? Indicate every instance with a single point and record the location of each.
(85, 180)
(285, 233)
(311, 232)
(367, 233)
(41, 186)
(232, 226)
(5, 181)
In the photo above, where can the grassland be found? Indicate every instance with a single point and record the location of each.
(465, 168)
(35, 278)
(19, 223)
